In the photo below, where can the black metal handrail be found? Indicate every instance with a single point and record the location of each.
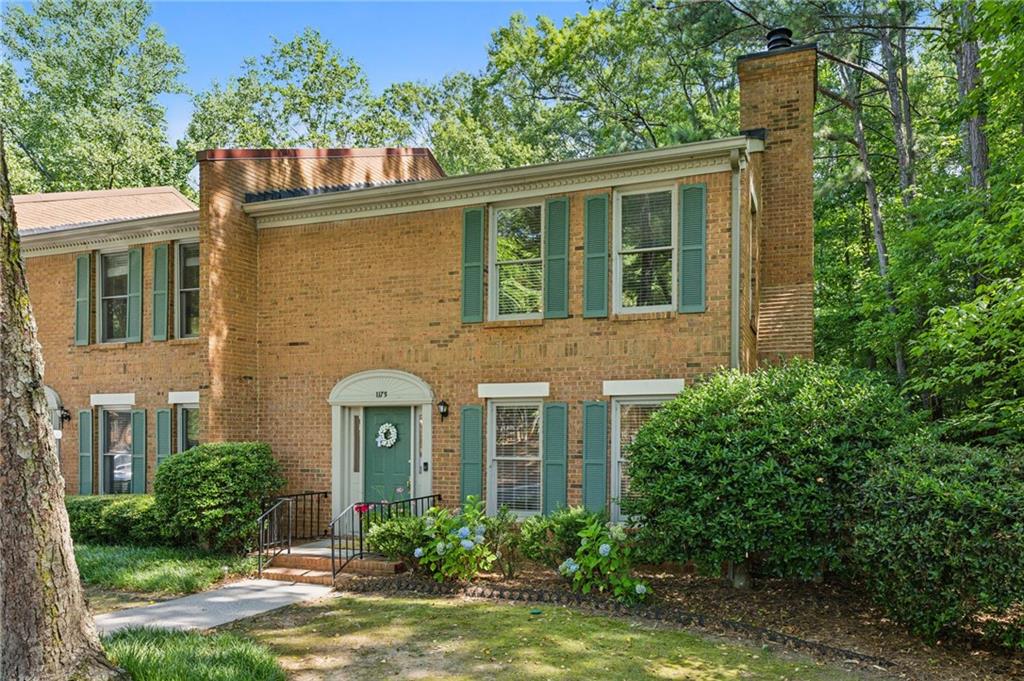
(348, 529)
(272, 538)
(308, 521)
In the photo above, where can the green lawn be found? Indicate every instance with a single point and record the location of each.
(156, 570)
(370, 637)
(153, 655)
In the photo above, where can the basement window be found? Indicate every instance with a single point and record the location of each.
(645, 250)
(516, 262)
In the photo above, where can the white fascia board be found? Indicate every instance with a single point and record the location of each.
(658, 386)
(111, 234)
(112, 400)
(183, 397)
(502, 390)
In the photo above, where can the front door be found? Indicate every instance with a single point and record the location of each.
(388, 448)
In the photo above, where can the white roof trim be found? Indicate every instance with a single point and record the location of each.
(498, 390)
(111, 234)
(380, 386)
(601, 172)
(112, 400)
(659, 386)
(183, 397)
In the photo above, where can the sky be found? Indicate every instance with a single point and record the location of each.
(392, 41)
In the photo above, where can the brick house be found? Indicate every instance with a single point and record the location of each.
(391, 331)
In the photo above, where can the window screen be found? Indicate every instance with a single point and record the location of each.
(632, 417)
(114, 296)
(645, 251)
(517, 457)
(518, 261)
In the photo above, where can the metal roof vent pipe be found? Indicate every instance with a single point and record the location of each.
(780, 38)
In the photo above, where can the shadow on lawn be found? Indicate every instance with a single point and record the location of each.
(374, 637)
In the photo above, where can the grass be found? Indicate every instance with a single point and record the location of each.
(156, 570)
(369, 637)
(156, 655)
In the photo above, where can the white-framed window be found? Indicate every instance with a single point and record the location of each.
(645, 262)
(186, 286)
(514, 452)
(629, 414)
(113, 297)
(188, 426)
(115, 450)
(516, 283)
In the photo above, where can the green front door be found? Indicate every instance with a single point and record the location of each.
(388, 466)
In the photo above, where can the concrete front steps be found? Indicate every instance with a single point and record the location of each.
(313, 568)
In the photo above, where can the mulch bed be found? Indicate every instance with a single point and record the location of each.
(825, 620)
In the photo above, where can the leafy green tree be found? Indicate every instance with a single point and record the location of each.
(79, 95)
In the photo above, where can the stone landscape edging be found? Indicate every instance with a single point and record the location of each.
(662, 613)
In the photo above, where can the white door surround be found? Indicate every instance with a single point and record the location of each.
(377, 387)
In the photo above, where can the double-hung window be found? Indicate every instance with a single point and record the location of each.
(517, 264)
(628, 417)
(116, 448)
(645, 250)
(188, 426)
(187, 299)
(113, 311)
(515, 452)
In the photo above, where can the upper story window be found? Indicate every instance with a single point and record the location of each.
(113, 312)
(187, 278)
(645, 251)
(517, 265)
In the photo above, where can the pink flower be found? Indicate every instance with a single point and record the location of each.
(362, 508)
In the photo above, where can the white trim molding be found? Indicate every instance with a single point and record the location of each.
(183, 397)
(613, 170)
(112, 400)
(380, 386)
(645, 387)
(512, 390)
(113, 234)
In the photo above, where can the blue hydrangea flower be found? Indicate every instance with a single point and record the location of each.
(463, 532)
(441, 548)
(418, 553)
(641, 589)
(604, 549)
(480, 530)
(568, 567)
(468, 545)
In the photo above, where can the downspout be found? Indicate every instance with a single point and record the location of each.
(734, 288)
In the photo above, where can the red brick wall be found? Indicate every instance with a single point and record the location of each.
(149, 369)
(777, 92)
(383, 293)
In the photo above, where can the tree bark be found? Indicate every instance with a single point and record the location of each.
(46, 631)
(874, 207)
(968, 77)
(901, 125)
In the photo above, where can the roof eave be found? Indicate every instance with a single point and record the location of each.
(96, 234)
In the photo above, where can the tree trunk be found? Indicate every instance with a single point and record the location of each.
(739, 574)
(875, 209)
(46, 632)
(901, 126)
(968, 77)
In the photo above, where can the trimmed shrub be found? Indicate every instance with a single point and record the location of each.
(504, 539)
(115, 519)
(455, 547)
(941, 541)
(211, 495)
(549, 539)
(761, 469)
(397, 538)
(604, 562)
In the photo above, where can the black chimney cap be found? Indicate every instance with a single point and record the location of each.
(780, 38)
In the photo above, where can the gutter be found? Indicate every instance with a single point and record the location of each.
(734, 260)
(108, 232)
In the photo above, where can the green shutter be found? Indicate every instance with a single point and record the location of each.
(138, 452)
(556, 454)
(595, 455)
(473, 265)
(85, 452)
(82, 297)
(556, 260)
(160, 286)
(692, 228)
(595, 256)
(471, 450)
(134, 295)
(163, 435)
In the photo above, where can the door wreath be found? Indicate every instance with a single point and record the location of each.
(387, 435)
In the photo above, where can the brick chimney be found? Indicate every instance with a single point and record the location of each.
(228, 178)
(777, 94)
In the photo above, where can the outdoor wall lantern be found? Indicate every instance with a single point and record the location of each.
(442, 409)
(65, 415)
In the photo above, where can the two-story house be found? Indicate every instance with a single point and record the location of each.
(391, 331)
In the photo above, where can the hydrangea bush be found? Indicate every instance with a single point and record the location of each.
(603, 562)
(454, 543)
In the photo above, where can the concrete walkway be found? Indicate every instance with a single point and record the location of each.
(212, 608)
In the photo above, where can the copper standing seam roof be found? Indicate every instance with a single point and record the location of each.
(38, 213)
